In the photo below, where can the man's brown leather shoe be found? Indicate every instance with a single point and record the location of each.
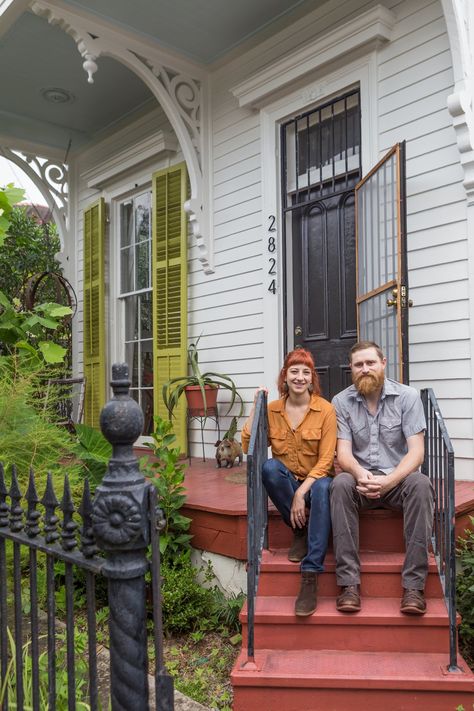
(307, 597)
(299, 547)
(349, 599)
(413, 602)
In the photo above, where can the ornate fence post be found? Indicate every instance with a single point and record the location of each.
(121, 526)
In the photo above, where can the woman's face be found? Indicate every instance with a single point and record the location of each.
(298, 377)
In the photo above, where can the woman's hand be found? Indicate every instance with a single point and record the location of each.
(260, 389)
(298, 510)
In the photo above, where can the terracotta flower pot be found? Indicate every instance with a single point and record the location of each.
(195, 400)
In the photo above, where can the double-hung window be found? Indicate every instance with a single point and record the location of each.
(136, 296)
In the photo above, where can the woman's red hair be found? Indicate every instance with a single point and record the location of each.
(299, 356)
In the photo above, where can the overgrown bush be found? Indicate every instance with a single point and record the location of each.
(28, 438)
(189, 606)
(29, 248)
(465, 593)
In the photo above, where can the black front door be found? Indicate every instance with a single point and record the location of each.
(321, 166)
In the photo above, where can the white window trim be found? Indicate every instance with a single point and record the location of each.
(362, 73)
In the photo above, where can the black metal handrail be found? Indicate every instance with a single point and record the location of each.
(438, 465)
(257, 512)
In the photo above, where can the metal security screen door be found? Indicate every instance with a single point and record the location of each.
(382, 289)
(321, 165)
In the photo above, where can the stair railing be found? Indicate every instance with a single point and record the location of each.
(257, 512)
(438, 465)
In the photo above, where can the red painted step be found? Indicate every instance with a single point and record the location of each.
(379, 626)
(330, 680)
(375, 659)
(380, 575)
(379, 530)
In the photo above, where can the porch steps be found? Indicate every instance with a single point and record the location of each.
(332, 661)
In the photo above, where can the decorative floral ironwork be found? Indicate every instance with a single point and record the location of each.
(117, 518)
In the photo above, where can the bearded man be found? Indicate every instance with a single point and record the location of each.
(380, 448)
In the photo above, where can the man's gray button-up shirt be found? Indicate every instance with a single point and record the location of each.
(379, 441)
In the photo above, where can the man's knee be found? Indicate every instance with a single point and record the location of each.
(419, 485)
(342, 484)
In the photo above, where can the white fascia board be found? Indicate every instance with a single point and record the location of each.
(371, 27)
(161, 144)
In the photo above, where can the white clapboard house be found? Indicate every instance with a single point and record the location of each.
(201, 159)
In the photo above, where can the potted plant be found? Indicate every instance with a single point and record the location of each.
(200, 388)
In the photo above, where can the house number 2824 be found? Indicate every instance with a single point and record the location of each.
(271, 247)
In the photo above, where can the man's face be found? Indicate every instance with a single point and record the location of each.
(368, 370)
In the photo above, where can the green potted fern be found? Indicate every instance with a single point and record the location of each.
(200, 388)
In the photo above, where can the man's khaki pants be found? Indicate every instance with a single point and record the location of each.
(414, 496)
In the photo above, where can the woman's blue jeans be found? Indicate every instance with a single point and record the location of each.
(281, 485)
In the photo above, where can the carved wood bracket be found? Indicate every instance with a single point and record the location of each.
(178, 86)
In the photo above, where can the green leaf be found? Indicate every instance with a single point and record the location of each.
(92, 444)
(4, 300)
(54, 310)
(13, 195)
(52, 353)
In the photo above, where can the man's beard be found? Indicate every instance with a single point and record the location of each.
(368, 383)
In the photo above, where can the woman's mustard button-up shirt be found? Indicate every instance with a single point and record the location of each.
(309, 449)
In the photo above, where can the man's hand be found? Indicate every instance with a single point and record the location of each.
(298, 510)
(368, 484)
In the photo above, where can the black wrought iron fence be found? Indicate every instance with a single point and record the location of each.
(114, 535)
(257, 512)
(439, 466)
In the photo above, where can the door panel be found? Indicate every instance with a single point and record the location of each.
(324, 286)
(382, 290)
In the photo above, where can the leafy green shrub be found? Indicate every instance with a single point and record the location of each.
(94, 451)
(27, 437)
(465, 593)
(29, 248)
(186, 603)
(166, 473)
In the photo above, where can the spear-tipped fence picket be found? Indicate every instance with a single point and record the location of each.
(113, 535)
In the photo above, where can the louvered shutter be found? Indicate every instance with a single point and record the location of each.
(170, 289)
(94, 312)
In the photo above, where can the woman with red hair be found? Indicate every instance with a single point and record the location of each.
(302, 434)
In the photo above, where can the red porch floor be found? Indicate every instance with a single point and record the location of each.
(217, 505)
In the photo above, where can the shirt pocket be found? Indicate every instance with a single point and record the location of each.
(391, 430)
(360, 433)
(278, 442)
(310, 440)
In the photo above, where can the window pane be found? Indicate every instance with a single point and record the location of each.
(131, 318)
(146, 322)
(131, 357)
(142, 217)
(142, 279)
(127, 282)
(126, 223)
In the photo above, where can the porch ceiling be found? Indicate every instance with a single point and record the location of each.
(35, 56)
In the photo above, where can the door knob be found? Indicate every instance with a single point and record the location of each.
(393, 302)
(298, 331)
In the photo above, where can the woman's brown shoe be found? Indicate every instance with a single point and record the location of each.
(349, 599)
(299, 546)
(307, 597)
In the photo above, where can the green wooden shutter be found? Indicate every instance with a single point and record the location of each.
(170, 289)
(94, 312)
